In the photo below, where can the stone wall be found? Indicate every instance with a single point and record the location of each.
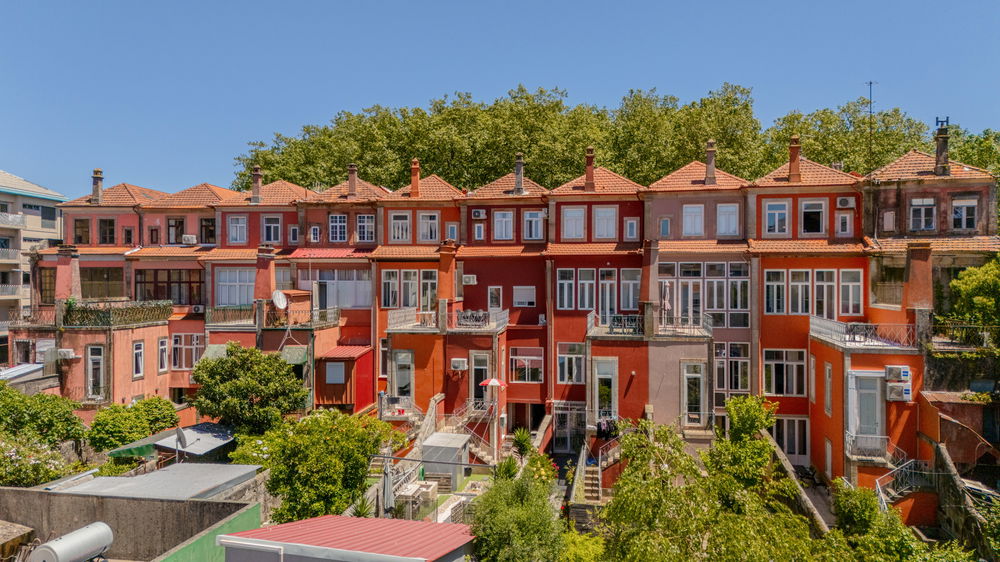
(801, 504)
(253, 491)
(956, 513)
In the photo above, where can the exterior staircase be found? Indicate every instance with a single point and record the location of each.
(592, 484)
(911, 476)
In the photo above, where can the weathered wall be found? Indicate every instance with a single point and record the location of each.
(956, 513)
(202, 547)
(252, 491)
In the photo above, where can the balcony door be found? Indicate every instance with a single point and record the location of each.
(668, 310)
(690, 302)
(403, 363)
(608, 295)
(480, 372)
(695, 405)
(606, 371)
(870, 406)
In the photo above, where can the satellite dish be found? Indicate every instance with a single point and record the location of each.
(280, 300)
(182, 441)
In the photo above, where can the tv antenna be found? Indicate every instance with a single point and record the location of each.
(871, 124)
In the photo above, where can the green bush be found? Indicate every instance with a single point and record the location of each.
(581, 547)
(29, 463)
(47, 416)
(115, 426)
(159, 412)
(506, 469)
(522, 441)
(856, 509)
(541, 468)
(116, 466)
(514, 520)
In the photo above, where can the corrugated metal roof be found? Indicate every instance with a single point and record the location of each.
(346, 352)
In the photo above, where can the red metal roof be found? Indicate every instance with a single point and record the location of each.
(345, 352)
(389, 537)
(90, 250)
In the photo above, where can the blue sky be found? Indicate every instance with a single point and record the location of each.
(165, 94)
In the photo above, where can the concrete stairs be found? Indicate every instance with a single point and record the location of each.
(481, 451)
(376, 467)
(592, 484)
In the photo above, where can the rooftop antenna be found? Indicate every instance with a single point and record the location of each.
(938, 122)
(871, 125)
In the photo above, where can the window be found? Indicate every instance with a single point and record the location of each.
(451, 230)
(365, 228)
(963, 214)
(234, 286)
(813, 217)
(922, 214)
(774, 292)
(739, 299)
(338, 228)
(182, 286)
(479, 231)
(630, 288)
(106, 230)
(47, 285)
(283, 278)
(605, 222)
(337, 288)
(798, 291)
(335, 372)
(727, 219)
(784, 372)
(715, 294)
(666, 269)
(459, 280)
(826, 290)
(792, 435)
(526, 364)
(889, 221)
(163, 355)
(850, 292)
(429, 227)
(237, 230)
(664, 228)
(573, 223)
(137, 359)
(383, 354)
(739, 367)
(207, 231)
(533, 225)
(828, 389)
(408, 287)
(524, 296)
(390, 288)
(81, 231)
(187, 350)
(845, 224)
(428, 290)
(570, 360)
(776, 218)
(95, 371)
(314, 234)
(127, 236)
(48, 217)
(503, 225)
(565, 281)
(632, 228)
(293, 234)
(102, 282)
(812, 379)
(154, 235)
(585, 289)
(272, 230)
(494, 297)
(175, 230)
(690, 269)
(399, 227)
(694, 220)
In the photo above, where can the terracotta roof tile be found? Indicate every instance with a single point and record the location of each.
(593, 248)
(365, 190)
(605, 181)
(940, 244)
(345, 352)
(917, 165)
(501, 251)
(702, 246)
(90, 250)
(239, 254)
(813, 173)
(330, 253)
(692, 178)
(201, 195)
(405, 252)
(504, 188)
(805, 246)
(277, 193)
(432, 188)
(167, 252)
(121, 195)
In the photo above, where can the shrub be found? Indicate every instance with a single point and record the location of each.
(541, 468)
(116, 466)
(522, 441)
(115, 426)
(47, 416)
(856, 509)
(506, 469)
(514, 520)
(29, 463)
(363, 507)
(581, 547)
(159, 412)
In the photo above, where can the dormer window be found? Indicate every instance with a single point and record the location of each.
(503, 225)
(963, 214)
(776, 217)
(813, 217)
(922, 214)
(532, 225)
(605, 222)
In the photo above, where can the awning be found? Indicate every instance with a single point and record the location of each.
(295, 354)
(145, 451)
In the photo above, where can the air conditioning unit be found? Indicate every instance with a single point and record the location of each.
(66, 353)
(846, 202)
(897, 373)
(469, 280)
(189, 239)
(459, 364)
(541, 319)
(898, 392)
(479, 214)
(198, 309)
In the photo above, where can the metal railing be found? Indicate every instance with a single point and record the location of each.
(870, 446)
(398, 406)
(862, 334)
(888, 293)
(910, 476)
(116, 313)
(685, 325)
(11, 220)
(460, 320)
(237, 315)
(626, 324)
(275, 318)
(969, 335)
(10, 254)
(10, 290)
(36, 317)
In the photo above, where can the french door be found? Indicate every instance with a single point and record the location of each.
(608, 294)
(480, 372)
(690, 302)
(668, 311)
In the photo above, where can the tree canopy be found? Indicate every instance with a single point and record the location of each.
(514, 521)
(975, 294)
(45, 417)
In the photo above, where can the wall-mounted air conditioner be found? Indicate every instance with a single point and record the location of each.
(541, 319)
(897, 373)
(846, 202)
(469, 280)
(459, 364)
(198, 309)
(479, 214)
(189, 239)
(898, 392)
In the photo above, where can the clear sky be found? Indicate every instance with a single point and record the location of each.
(165, 94)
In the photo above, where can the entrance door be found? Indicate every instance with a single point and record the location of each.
(792, 435)
(869, 409)
(404, 372)
(668, 310)
(608, 295)
(570, 422)
(695, 407)
(480, 372)
(690, 302)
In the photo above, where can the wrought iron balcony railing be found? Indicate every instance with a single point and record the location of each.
(859, 334)
(115, 313)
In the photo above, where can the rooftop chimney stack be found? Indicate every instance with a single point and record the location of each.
(352, 180)
(258, 178)
(588, 181)
(98, 186)
(941, 167)
(794, 170)
(710, 163)
(414, 178)
(519, 174)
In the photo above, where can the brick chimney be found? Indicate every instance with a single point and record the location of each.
(414, 178)
(588, 181)
(519, 174)
(67, 272)
(264, 281)
(98, 186)
(918, 292)
(794, 150)
(941, 167)
(352, 180)
(710, 162)
(258, 178)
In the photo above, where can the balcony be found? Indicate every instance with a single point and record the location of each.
(10, 220)
(858, 334)
(114, 314)
(10, 254)
(949, 336)
(478, 320)
(412, 320)
(242, 315)
(624, 325)
(308, 319)
(37, 317)
(888, 293)
(10, 291)
(687, 325)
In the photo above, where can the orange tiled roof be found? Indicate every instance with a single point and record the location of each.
(239, 254)
(405, 252)
(941, 244)
(805, 246)
(432, 188)
(276, 193)
(346, 352)
(330, 253)
(593, 248)
(171, 252)
(504, 187)
(812, 173)
(702, 246)
(121, 195)
(501, 251)
(917, 165)
(365, 190)
(605, 181)
(90, 251)
(201, 195)
(692, 178)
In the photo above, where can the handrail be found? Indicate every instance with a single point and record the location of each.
(863, 334)
(240, 314)
(10, 253)
(860, 445)
(976, 335)
(911, 474)
(688, 324)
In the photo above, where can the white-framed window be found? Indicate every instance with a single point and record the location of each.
(365, 225)
(565, 285)
(390, 288)
(451, 231)
(727, 219)
(573, 223)
(774, 292)
(95, 371)
(606, 223)
(383, 354)
(630, 288)
(585, 289)
(963, 214)
(399, 227)
(570, 359)
(739, 367)
(739, 299)
(314, 232)
(828, 389)
(335, 372)
(337, 288)
(824, 302)
(272, 229)
(812, 379)
(293, 234)
(478, 231)
(428, 289)
(527, 364)
(429, 230)
(715, 294)
(632, 228)
(237, 231)
(138, 359)
(785, 372)
(776, 217)
(845, 224)
(524, 296)
(338, 228)
(812, 216)
(234, 286)
(850, 292)
(186, 350)
(694, 220)
(922, 213)
(503, 225)
(163, 355)
(798, 291)
(664, 227)
(533, 225)
(828, 458)
(494, 297)
(409, 286)
(792, 435)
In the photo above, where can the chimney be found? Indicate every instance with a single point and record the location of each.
(519, 174)
(352, 180)
(794, 172)
(588, 182)
(918, 291)
(98, 177)
(941, 167)
(414, 178)
(710, 162)
(255, 190)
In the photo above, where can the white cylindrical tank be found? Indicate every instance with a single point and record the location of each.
(82, 544)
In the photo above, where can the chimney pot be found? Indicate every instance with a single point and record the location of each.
(794, 156)
(352, 180)
(588, 184)
(710, 162)
(941, 167)
(98, 186)
(414, 178)
(519, 174)
(258, 179)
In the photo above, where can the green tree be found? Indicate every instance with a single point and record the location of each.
(975, 294)
(318, 464)
(117, 425)
(981, 151)
(247, 389)
(159, 412)
(25, 462)
(581, 547)
(514, 521)
(47, 416)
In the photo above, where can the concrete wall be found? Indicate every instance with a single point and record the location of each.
(202, 547)
(956, 513)
(665, 359)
